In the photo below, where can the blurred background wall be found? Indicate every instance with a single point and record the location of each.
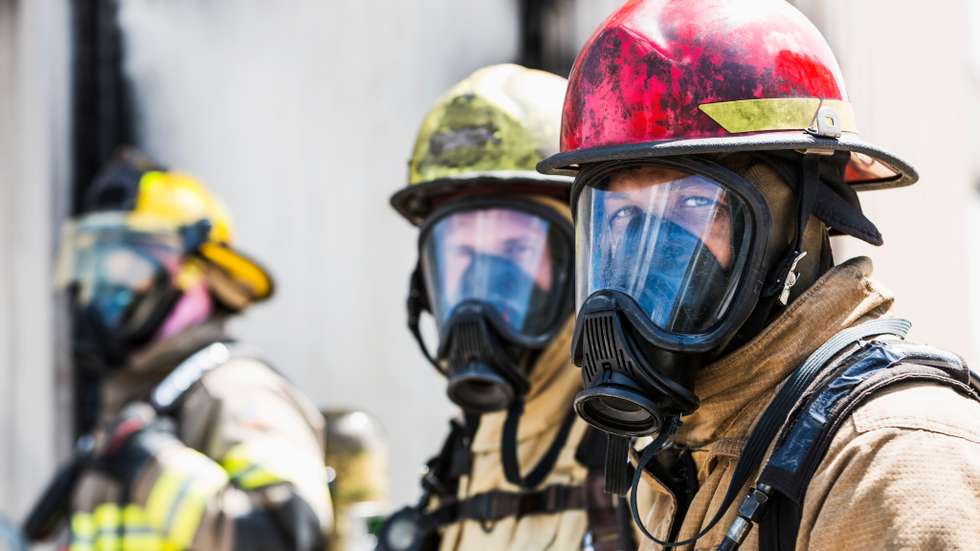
(911, 75)
(303, 119)
(301, 116)
(34, 162)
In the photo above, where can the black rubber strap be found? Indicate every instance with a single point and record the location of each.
(641, 465)
(442, 472)
(508, 448)
(774, 417)
(806, 196)
(496, 505)
(416, 303)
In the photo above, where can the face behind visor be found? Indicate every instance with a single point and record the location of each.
(668, 239)
(669, 260)
(122, 273)
(497, 276)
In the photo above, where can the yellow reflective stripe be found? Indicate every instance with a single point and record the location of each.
(245, 472)
(235, 462)
(177, 499)
(82, 532)
(257, 477)
(137, 534)
(109, 529)
(82, 526)
(188, 515)
(162, 497)
(107, 517)
(770, 114)
(107, 523)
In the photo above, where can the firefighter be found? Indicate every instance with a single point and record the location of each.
(495, 272)
(198, 442)
(714, 152)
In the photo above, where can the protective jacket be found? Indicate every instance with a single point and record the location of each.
(902, 472)
(554, 382)
(245, 470)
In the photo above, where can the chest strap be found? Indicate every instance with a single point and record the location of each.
(776, 501)
(487, 508)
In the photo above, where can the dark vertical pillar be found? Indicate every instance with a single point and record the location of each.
(101, 122)
(101, 113)
(546, 38)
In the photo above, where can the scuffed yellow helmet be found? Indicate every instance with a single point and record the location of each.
(490, 130)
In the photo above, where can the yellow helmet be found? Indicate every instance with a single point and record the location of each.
(149, 193)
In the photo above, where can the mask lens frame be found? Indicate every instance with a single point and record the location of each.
(114, 261)
(560, 240)
(749, 269)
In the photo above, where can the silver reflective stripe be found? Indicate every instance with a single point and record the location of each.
(169, 391)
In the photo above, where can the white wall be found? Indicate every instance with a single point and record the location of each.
(33, 153)
(909, 72)
(302, 119)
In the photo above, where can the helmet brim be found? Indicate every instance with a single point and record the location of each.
(251, 276)
(891, 171)
(416, 201)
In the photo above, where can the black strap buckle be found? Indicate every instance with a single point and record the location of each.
(488, 508)
(432, 483)
(555, 498)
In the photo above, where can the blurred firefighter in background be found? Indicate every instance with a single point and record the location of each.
(357, 471)
(495, 272)
(715, 152)
(199, 443)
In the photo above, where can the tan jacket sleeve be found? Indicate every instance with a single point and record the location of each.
(902, 473)
(251, 475)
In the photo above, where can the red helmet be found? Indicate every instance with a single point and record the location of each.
(678, 77)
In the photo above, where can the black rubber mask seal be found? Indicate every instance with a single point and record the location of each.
(750, 281)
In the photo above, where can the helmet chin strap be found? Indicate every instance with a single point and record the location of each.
(784, 275)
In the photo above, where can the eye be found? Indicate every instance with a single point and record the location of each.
(697, 201)
(624, 215)
(516, 249)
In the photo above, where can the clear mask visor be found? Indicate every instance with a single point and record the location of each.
(111, 261)
(510, 259)
(675, 242)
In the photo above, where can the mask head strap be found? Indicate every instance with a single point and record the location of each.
(416, 303)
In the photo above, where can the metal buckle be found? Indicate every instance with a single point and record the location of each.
(487, 510)
(826, 123)
(791, 277)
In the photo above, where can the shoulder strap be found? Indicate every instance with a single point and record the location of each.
(609, 525)
(771, 420)
(166, 396)
(804, 440)
(443, 471)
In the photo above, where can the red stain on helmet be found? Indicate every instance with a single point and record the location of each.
(643, 74)
(794, 70)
